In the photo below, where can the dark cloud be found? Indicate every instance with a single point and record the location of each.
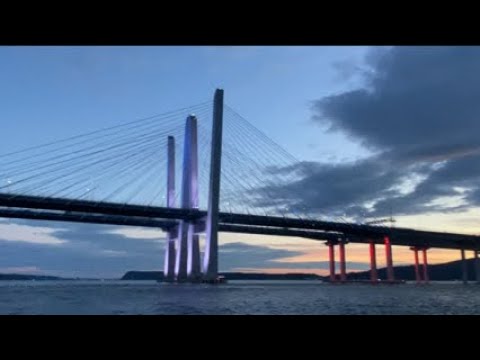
(420, 115)
(94, 251)
(89, 251)
(417, 98)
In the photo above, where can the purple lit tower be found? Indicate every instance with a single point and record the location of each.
(187, 263)
(169, 263)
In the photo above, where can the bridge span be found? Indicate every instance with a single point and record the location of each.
(185, 223)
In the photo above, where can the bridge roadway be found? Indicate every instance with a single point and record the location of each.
(85, 211)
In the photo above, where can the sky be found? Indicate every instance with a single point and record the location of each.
(379, 130)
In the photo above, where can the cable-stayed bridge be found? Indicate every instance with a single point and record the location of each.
(198, 170)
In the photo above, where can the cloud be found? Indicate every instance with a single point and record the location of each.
(35, 235)
(88, 250)
(239, 255)
(85, 250)
(418, 114)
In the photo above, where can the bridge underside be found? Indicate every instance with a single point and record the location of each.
(58, 209)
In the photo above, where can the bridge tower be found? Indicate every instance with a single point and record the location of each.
(210, 258)
(190, 196)
(169, 263)
(187, 262)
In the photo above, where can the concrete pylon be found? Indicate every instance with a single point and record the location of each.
(343, 263)
(193, 259)
(331, 260)
(418, 278)
(373, 263)
(210, 258)
(425, 266)
(188, 251)
(191, 199)
(181, 253)
(389, 258)
(464, 267)
(477, 266)
(169, 263)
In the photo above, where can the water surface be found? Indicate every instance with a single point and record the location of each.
(236, 297)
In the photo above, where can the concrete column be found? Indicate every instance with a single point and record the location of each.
(388, 255)
(331, 260)
(187, 264)
(343, 265)
(193, 260)
(477, 267)
(181, 252)
(169, 262)
(418, 278)
(373, 263)
(210, 259)
(464, 267)
(425, 266)
(190, 199)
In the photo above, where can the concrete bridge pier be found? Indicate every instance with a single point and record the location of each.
(373, 263)
(331, 260)
(418, 278)
(389, 258)
(181, 252)
(194, 273)
(464, 267)
(187, 261)
(425, 266)
(169, 262)
(190, 197)
(421, 276)
(210, 257)
(477, 266)
(343, 264)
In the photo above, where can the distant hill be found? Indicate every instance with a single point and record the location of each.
(28, 277)
(143, 275)
(446, 272)
(438, 272)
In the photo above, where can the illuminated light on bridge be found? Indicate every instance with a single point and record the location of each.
(389, 259)
(373, 263)
(420, 276)
(170, 256)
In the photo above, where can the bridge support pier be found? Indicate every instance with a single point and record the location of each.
(331, 260)
(181, 253)
(343, 264)
(421, 277)
(425, 266)
(193, 259)
(373, 263)
(188, 252)
(477, 267)
(389, 258)
(418, 278)
(464, 267)
(210, 257)
(169, 262)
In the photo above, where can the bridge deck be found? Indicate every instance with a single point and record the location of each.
(161, 217)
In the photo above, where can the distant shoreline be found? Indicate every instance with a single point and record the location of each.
(439, 272)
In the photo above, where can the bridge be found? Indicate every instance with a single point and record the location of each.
(110, 176)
